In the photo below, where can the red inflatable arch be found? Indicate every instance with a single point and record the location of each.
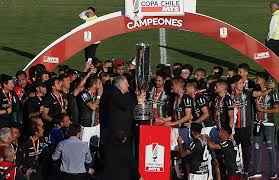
(116, 23)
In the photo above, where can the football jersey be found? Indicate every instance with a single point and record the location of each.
(243, 109)
(266, 102)
(160, 103)
(200, 101)
(180, 104)
(199, 156)
(222, 106)
(231, 157)
(87, 116)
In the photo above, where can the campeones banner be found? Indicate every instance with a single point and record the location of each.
(154, 158)
(101, 29)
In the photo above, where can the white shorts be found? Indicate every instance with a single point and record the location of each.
(174, 137)
(206, 130)
(88, 132)
(197, 176)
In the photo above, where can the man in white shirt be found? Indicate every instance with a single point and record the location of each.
(272, 40)
(89, 15)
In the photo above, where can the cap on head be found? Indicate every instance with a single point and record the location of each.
(118, 62)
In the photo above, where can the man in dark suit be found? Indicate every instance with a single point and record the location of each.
(119, 162)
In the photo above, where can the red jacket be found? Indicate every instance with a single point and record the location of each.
(4, 165)
(23, 93)
(19, 91)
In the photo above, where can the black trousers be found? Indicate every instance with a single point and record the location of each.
(90, 51)
(36, 176)
(243, 136)
(120, 163)
(273, 45)
(68, 176)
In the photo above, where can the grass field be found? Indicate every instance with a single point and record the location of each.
(28, 26)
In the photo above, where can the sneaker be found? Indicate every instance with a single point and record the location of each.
(255, 175)
(273, 176)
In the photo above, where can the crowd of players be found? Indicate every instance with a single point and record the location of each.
(213, 117)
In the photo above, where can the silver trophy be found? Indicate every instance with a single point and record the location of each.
(136, 7)
(142, 112)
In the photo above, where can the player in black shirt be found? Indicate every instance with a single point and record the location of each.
(33, 105)
(9, 103)
(223, 106)
(158, 99)
(243, 100)
(264, 127)
(231, 155)
(200, 107)
(54, 103)
(182, 110)
(182, 114)
(198, 152)
(202, 114)
(243, 115)
(33, 148)
(65, 89)
(88, 103)
(76, 87)
(243, 70)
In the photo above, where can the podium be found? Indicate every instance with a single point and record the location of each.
(154, 152)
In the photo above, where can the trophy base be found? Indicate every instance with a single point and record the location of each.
(142, 118)
(142, 114)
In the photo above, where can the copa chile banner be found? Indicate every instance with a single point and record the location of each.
(136, 9)
(154, 152)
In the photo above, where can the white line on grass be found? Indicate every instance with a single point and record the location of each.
(163, 44)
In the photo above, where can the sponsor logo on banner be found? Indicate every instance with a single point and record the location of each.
(261, 55)
(223, 32)
(49, 59)
(137, 9)
(154, 158)
(87, 36)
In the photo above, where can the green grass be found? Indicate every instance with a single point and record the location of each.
(31, 25)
